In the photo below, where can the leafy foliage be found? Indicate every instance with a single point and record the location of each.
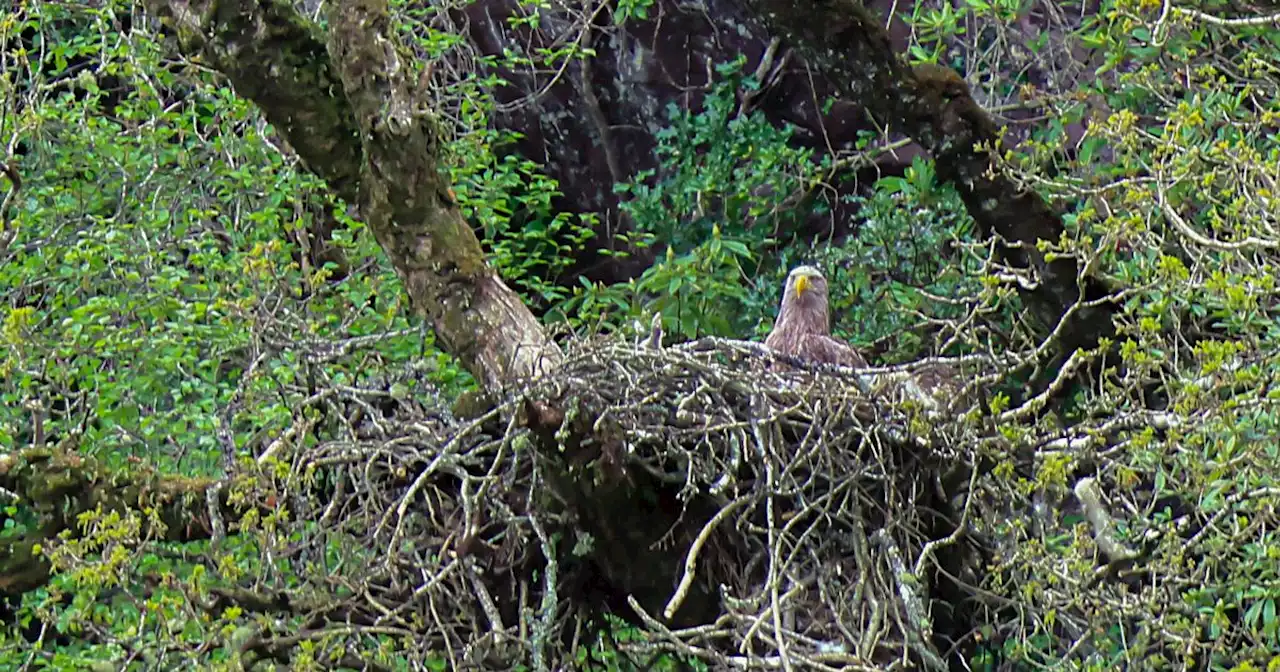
(156, 288)
(730, 182)
(157, 295)
(1168, 195)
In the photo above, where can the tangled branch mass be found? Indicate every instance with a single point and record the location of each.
(738, 516)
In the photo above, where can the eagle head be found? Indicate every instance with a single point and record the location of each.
(807, 285)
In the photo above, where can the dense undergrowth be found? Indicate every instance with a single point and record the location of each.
(161, 308)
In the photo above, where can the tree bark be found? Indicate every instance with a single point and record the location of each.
(353, 112)
(847, 44)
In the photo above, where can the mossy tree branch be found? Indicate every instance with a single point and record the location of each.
(58, 485)
(352, 109)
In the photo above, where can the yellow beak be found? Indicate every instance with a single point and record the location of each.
(802, 283)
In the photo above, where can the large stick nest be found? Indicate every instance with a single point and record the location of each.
(736, 515)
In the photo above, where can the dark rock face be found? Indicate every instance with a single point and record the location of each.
(592, 123)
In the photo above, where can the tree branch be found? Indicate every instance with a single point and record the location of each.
(353, 112)
(59, 485)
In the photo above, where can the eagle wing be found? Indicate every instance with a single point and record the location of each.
(776, 340)
(817, 348)
(827, 350)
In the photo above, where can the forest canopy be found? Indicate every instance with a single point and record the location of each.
(393, 335)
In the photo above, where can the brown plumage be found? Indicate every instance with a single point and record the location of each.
(936, 387)
(803, 327)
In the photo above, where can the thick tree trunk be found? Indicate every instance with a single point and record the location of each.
(848, 45)
(352, 110)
